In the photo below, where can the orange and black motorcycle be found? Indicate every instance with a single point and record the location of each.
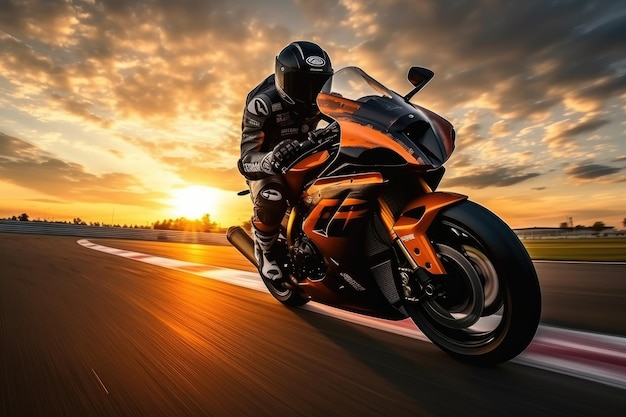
(367, 232)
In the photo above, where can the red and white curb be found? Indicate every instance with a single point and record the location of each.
(590, 356)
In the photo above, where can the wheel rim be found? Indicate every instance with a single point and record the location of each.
(459, 248)
(277, 289)
(489, 277)
(462, 302)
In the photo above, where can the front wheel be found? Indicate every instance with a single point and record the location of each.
(488, 304)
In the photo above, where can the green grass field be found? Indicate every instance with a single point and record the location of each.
(583, 249)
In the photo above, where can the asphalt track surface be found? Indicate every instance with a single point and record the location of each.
(85, 333)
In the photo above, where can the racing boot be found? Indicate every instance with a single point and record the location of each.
(263, 252)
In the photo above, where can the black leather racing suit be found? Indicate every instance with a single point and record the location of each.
(267, 120)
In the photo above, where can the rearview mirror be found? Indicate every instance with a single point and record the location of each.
(419, 77)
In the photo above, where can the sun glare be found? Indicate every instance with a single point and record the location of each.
(195, 201)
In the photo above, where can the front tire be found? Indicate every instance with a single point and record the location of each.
(489, 306)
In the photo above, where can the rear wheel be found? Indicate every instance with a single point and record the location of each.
(279, 291)
(488, 305)
(286, 296)
(241, 240)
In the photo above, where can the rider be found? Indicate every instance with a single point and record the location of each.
(280, 113)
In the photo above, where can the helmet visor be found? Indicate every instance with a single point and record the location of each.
(303, 86)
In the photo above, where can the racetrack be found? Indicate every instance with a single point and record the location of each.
(87, 333)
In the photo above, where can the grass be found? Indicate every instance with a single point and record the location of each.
(581, 249)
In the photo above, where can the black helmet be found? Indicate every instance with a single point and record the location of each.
(302, 68)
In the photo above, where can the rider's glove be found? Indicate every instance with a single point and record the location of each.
(327, 134)
(283, 155)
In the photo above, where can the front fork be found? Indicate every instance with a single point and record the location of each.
(408, 234)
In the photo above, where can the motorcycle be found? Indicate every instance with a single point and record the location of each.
(367, 232)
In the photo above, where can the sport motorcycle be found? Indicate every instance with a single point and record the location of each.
(367, 232)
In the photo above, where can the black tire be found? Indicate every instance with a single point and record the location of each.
(489, 274)
(286, 296)
(244, 244)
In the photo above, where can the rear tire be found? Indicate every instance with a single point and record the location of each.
(286, 296)
(244, 244)
(492, 303)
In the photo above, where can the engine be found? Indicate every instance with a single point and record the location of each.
(307, 260)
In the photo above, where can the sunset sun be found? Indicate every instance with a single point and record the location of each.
(195, 201)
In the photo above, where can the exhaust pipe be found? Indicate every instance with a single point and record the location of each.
(241, 240)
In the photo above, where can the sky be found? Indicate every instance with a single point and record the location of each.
(129, 112)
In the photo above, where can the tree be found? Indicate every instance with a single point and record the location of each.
(23, 217)
(207, 224)
(598, 226)
(563, 225)
(624, 222)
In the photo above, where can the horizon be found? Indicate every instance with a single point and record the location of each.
(221, 226)
(130, 113)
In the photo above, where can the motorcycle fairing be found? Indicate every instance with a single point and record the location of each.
(357, 135)
(413, 223)
(338, 209)
(300, 172)
(376, 117)
(337, 215)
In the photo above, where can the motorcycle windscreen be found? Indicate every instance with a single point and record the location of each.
(352, 96)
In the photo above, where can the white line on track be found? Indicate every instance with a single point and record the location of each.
(539, 261)
(590, 356)
(100, 381)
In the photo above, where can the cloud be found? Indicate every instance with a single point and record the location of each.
(591, 171)
(26, 165)
(584, 126)
(460, 161)
(38, 19)
(496, 58)
(193, 162)
(82, 109)
(469, 134)
(153, 56)
(154, 60)
(565, 132)
(491, 177)
(499, 129)
(161, 59)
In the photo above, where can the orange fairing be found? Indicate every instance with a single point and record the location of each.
(310, 162)
(412, 231)
(335, 215)
(296, 174)
(331, 222)
(333, 185)
(357, 135)
(334, 104)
